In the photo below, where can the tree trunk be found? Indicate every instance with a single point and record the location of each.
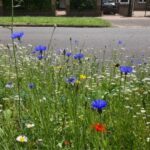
(53, 3)
(67, 7)
(130, 10)
(1, 7)
(99, 7)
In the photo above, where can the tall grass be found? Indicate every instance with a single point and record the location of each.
(61, 112)
(40, 102)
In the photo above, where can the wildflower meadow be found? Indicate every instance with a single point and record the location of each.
(72, 98)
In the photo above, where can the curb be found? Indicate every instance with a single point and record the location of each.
(71, 26)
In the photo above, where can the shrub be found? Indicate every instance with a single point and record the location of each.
(83, 4)
(29, 5)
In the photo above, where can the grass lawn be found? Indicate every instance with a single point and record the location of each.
(60, 21)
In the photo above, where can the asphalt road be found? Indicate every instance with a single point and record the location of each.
(131, 23)
(134, 39)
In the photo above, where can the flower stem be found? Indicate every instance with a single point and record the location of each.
(16, 68)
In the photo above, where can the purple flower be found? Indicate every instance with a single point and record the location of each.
(126, 69)
(78, 56)
(31, 85)
(71, 80)
(40, 57)
(40, 48)
(120, 42)
(68, 54)
(99, 104)
(17, 35)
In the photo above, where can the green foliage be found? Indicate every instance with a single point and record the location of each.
(29, 5)
(83, 4)
(55, 112)
(7, 4)
(37, 4)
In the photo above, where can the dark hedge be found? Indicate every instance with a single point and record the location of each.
(29, 5)
(83, 4)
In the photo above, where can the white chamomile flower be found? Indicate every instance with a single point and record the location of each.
(143, 110)
(29, 125)
(22, 139)
(40, 140)
(147, 123)
(148, 139)
(9, 85)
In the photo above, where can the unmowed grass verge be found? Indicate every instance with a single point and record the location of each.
(73, 99)
(60, 21)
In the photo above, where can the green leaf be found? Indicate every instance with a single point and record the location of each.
(7, 114)
(2, 133)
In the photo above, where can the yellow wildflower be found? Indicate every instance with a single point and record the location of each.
(82, 76)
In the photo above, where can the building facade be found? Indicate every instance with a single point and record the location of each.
(65, 4)
(137, 4)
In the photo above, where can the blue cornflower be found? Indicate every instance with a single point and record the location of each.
(40, 48)
(31, 85)
(40, 57)
(99, 104)
(17, 35)
(71, 80)
(78, 56)
(68, 54)
(120, 42)
(126, 69)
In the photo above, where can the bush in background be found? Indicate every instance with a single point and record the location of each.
(29, 5)
(83, 4)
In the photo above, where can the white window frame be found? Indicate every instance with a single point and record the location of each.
(124, 2)
(143, 1)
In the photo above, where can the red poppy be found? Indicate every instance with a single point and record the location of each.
(66, 142)
(99, 127)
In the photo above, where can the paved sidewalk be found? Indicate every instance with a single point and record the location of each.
(137, 20)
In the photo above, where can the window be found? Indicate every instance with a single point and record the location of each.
(124, 1)
(141, 1)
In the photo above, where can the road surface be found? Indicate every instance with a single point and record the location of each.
(134, 39)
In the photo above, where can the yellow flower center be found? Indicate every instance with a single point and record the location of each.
(22, 139)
